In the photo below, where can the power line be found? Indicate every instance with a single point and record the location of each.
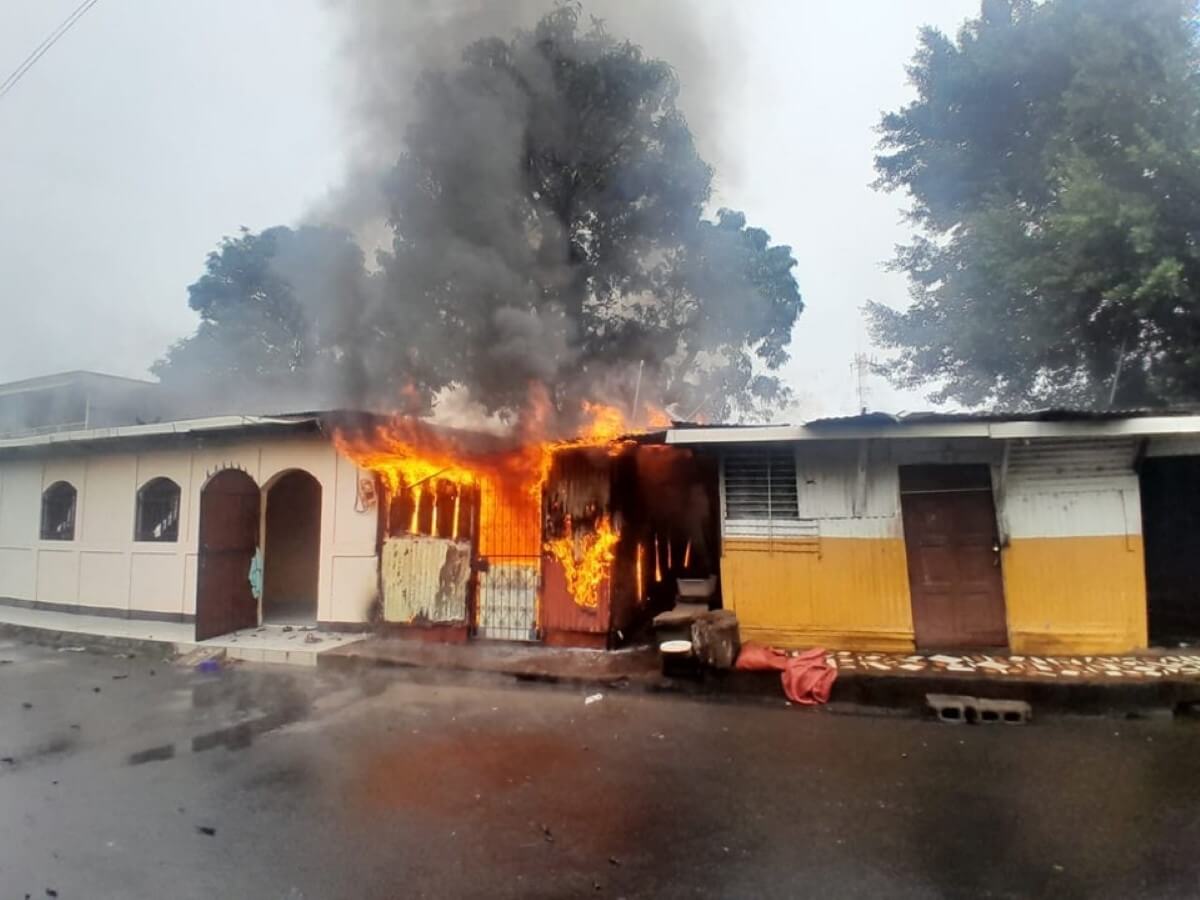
(49, 41)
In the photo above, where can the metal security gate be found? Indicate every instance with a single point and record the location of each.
(509, 565)
(507, 598)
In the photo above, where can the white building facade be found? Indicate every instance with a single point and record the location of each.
(112, 521)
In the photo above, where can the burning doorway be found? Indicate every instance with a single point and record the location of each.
(229, 507)
(291, 549)
(575, 541)
(624, 524)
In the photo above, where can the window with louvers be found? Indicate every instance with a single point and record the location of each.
(760, 485)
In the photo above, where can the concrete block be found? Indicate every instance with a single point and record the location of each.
(950, 708)
(1006, 712)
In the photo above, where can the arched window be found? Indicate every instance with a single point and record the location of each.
(58, 512)
(157, 511)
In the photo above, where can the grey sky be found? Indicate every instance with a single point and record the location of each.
(152, 129)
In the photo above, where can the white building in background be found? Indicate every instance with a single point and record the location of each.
(164, 521)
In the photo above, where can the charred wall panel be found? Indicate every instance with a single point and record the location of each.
(576, 506)
(425, 580)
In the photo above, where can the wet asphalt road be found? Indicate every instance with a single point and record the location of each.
(272, 782)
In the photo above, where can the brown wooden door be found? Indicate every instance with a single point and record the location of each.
(953, 556)
(228, 539)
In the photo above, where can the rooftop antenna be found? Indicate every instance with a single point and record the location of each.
(861, 367)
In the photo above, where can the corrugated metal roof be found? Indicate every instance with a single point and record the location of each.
(1050, 414)
(157, 430)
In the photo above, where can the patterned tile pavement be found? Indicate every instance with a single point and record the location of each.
(1139, 668)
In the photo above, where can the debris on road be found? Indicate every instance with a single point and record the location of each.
(592, 698)
(206, 829)
(200, 656)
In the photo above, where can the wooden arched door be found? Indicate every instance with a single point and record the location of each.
(229, 522)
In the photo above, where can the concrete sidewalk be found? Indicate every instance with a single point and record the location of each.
(269, 643)
(1110, 684)
(520, 661)
(1101, 684)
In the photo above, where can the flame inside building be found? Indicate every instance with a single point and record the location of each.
(531, 538)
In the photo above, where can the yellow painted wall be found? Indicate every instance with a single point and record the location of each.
(1075, 595)
(841, 593)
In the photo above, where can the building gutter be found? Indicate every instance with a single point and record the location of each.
(1130, 427)
(130, 432)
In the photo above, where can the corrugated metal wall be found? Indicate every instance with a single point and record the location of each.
(1174, 445)
(578, 489)
(1072, 465)
(835, 574)
(425, 579)
(1073, 565)
(560, 612)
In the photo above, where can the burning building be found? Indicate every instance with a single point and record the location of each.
(571, 541)
(1053, 532)
(352, 520)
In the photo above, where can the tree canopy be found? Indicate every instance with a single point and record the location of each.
(1053, 160)
(548, 224)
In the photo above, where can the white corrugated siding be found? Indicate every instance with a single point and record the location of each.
(1071, 465)
(1072, 488)
(1174, 445)
(822, 502)
(425, 579)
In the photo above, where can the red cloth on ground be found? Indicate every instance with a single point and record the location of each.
(807, 677)
(757, 656)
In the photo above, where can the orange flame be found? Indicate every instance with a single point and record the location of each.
(410, 456)
(585, 559)
(414, 459)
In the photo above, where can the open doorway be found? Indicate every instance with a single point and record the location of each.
(292, 549)
(229, 505)
(1170, 488)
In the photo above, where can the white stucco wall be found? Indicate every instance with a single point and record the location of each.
(104, 567)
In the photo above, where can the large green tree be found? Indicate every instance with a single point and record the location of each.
(275, 309)
(549, 225)
(1053, 159)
